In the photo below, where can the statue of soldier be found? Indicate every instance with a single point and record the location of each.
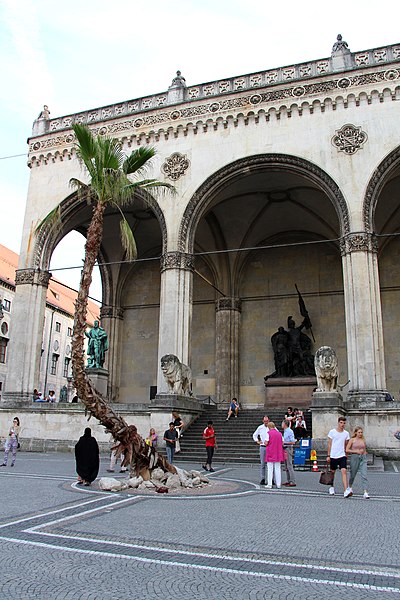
(279, 343)
(97, 346)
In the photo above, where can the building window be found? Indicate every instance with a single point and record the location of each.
(7, 305)
(4, 328)
(66, 366)
(54, 361)
(58, 326)
(3, 350)
(69, 333)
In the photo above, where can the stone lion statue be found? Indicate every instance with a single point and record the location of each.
(326, 369)
(177, 375)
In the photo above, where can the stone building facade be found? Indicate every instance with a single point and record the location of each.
(283, 177)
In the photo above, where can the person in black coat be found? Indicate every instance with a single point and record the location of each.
(87, 458)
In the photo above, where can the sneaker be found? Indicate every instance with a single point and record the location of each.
(332, 491)
(110, 470)
(262, 482)
(227, 419)
(366, 495)
(211, 470)
(269, 487)
(292, 484)
(278, 487)
(3, 465)
(12, 464)
(235, 416)
(123, 470)
(348, 493)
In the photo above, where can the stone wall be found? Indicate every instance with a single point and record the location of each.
(52, 428)
(379, 425)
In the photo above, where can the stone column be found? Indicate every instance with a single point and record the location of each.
(227, 329)
(175, 310)
(24, 354)
(112, 321)
(364, 331)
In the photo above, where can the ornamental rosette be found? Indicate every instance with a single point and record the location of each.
(175, 166)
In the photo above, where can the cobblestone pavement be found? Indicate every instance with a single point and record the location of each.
(236, 540)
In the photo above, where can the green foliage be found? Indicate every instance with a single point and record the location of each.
(128, 240)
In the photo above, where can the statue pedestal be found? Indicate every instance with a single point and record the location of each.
(99, 379)
(281, 392)
(326, 408)
(175, 402)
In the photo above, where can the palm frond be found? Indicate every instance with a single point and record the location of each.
(128, 239)
(151, 183)
(138, 159)
(51, 219)
(85, 191)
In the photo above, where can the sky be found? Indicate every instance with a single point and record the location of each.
(74, 56)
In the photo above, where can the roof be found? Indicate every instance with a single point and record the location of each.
(58, 294)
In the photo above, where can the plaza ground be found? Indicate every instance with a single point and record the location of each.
(234, 540)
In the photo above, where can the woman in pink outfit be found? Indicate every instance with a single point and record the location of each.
(274, 455)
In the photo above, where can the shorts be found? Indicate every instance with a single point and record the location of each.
(338, 462)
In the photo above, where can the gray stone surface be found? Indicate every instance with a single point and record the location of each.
(236, 540)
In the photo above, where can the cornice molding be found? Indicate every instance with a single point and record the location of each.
(202, 117)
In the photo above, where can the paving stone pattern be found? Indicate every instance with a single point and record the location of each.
(59, 541)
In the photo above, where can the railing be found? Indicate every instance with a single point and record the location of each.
(230, 85)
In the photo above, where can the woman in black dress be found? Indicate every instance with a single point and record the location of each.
(87, 458)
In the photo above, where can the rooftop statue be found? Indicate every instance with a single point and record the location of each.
(45, 113)
(178, 81)
(97, 346)
(340, 45)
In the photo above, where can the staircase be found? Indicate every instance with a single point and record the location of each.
(234, 437)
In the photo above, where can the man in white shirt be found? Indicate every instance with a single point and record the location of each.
(336, 458)
(260, 436)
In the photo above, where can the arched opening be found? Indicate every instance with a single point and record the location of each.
(383, 208)
(66, 261)
(261, 228)
(130, 290)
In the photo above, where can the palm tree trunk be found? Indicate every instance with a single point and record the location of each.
(141, 457)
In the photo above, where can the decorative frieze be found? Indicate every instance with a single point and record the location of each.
(177, 260)
(32, 277)
(175, 166)
(349, 139)
(228, 304)
(360, 241)
(150, 117)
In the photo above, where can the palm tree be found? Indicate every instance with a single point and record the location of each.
(113, 179)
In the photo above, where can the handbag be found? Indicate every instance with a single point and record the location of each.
(18, 446)
(327, 477)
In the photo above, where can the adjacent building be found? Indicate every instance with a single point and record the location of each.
(57, 325)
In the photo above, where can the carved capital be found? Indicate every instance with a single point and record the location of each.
(228, 304)
(358, 242)
(111, 312)
(177, 260)
(32, 277)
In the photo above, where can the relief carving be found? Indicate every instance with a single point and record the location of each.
(349, 139)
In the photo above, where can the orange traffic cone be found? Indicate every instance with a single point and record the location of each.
(315, 467)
